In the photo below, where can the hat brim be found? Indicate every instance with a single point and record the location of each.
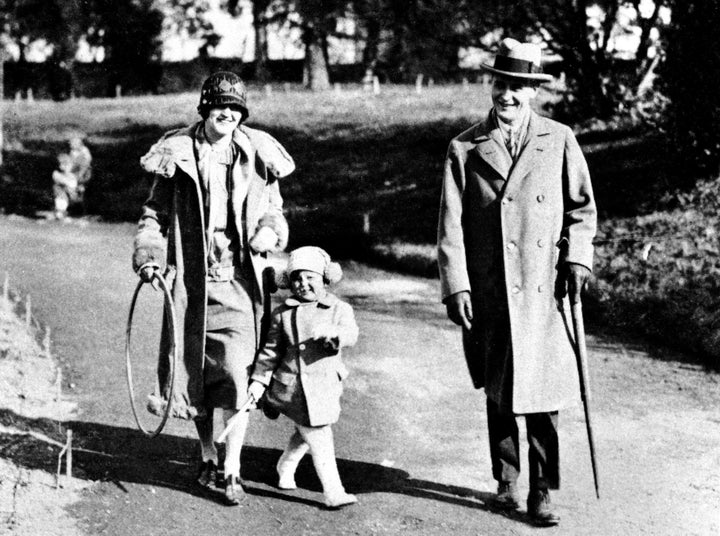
(225, 99)
(535, 77)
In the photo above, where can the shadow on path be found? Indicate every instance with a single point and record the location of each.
(123, 455)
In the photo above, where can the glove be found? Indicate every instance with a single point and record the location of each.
(264, 240)
(147, 273)
(459, 309)
(572, 280)
(328, 334)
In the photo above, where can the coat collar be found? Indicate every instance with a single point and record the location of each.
(490, 145)
(177, 148)
(328, 301)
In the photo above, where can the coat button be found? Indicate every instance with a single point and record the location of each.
(540, 243)
(515, 289)
(510, 246)
(302, 346)
(541, 198)
(541, 288)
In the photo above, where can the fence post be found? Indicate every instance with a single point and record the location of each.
(376, 85)
(68, 454)
(28, 311)
(418, 83)
(46, 342)
(118, 91)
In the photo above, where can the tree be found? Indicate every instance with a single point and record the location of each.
(129, 47)
(598, 82)
(689, 77)
(260, 10)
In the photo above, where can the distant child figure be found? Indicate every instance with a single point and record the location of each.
(73, 173)
(301, 367)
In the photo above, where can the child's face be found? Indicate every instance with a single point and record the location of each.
(307, 285)
(65, 164)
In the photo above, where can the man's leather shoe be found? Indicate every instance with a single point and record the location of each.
(207, 474)
(507, 497)
(234, 491)
(540, 510)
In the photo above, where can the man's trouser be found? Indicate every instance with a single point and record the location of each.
(543, 454)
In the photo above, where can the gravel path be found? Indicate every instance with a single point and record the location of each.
(411, 441)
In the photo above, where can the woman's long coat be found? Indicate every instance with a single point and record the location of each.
(502, 231)
(305, 375)
(172, 233)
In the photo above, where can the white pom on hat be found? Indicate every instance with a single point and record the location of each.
(316, 260)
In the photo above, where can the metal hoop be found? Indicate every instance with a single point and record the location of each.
(172, 326)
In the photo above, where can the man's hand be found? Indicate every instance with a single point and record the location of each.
(572, 280)
(459, 309)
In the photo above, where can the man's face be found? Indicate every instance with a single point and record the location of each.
(307, 285)
(511, 98)
(221, 122)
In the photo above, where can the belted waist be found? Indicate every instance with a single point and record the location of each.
(218, 272)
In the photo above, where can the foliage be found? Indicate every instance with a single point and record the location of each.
(367, 186)
(689, 77)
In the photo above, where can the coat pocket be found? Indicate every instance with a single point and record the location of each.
(282, 388)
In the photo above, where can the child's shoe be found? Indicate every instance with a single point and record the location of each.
(234, 491)
(339, 499)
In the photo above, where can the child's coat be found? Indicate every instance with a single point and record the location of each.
(306, 374)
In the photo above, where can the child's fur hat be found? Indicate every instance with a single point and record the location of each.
(314, 259)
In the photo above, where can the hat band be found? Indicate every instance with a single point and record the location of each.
(514, 65)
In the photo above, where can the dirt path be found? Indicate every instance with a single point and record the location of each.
(411, 441)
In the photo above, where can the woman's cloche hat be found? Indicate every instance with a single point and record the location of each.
(310, 258)
(518, 61)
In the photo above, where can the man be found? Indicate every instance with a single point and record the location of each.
(213, 214)
(517, 219)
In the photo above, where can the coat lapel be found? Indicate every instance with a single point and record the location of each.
(254, 186)
(536, 140)
(491, 148)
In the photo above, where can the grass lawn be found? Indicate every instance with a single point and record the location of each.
(367, 185)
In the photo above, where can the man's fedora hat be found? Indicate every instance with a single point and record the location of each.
(519, 61)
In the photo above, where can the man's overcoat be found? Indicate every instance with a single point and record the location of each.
(502, 230)
(172, 232)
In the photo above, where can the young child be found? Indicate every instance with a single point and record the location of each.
(65, 185)
(301, 367)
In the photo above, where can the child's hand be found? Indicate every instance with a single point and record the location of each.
(256, 390)
(325, 332)
(328, 334)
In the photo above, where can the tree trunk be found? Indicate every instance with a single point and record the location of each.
(262, 74)
(315, 68)
(2, 103)
(372, 45)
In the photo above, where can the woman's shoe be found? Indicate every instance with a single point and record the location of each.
(207, 474)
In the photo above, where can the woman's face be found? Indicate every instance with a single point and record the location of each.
(221, 122)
